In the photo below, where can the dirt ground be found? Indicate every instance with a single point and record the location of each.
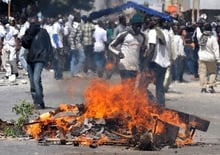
(185, 97)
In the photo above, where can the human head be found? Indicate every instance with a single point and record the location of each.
(155, 21)
(166, 25)
(207, 27)
(33, 20)
(136, 23)
(12, 21)
(101, 23)
(84, 18)
(77, 17)
(122, 20)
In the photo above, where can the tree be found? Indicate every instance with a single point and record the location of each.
(54, 7)
(47, 7)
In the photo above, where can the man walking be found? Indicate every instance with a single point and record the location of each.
(37, 41)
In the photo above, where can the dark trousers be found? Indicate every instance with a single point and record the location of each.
(88, 49)
(58, 63)
(34, 74)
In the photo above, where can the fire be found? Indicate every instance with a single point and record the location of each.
(125, 108)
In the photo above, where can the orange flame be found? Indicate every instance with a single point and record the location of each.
(119, 101)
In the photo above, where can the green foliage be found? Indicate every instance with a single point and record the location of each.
(24, 111)
(49, 8)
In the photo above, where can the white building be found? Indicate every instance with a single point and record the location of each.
(204, 4)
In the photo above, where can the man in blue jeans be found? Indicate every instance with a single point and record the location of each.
(37, 41)
(100, 39)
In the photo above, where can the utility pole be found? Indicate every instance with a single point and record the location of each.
(193, 11)
(179, 6)
(198, 9)
(9, 8)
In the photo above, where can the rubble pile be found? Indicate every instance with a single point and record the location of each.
(115, 115)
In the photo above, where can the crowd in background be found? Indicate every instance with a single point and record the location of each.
(163, 49)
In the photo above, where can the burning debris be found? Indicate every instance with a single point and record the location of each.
(116, 115)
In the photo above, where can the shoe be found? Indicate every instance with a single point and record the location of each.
(183, 81)
(5, 77)
(195, 79)
(80, 75)
(58, 77)
(24, 81)
(38, 107)
(203, 90)
(211, 89)
(25, 74)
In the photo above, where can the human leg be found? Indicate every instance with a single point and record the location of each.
(203, 75)
(58, 64)
(73, 62)
(99, 62)
(88, 58)
(12, 60)
(34, 73)
(128, 77)
(167, 79)
(22, 57)
(181, 68)
(160, 92)
(81, 61)
(195, 62)
(211, 68)
(189, 59)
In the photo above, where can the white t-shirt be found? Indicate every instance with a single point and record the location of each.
(178, 45)
(49, 31)
(100, 36)
(162, 52)
(9, 39)
(23, 29)
(58, 30)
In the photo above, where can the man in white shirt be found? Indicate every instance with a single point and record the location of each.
(9, 49)
(100, 38)
(57, 43)
(23, 52)
(160, 47)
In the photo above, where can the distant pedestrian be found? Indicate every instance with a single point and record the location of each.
(100, 40)
(87, 31)
(23, 52)
(208, 56)
(179, 62)
(9, 50)
(58, 51)
(76, 47)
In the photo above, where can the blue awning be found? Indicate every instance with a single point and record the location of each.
(109, 11)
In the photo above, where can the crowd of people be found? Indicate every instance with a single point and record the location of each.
(147, 49)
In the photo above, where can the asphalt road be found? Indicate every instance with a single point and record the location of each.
(185, 97)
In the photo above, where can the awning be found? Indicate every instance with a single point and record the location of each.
(106, 12)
